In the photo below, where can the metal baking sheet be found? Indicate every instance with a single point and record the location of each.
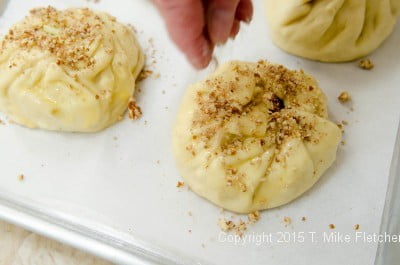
(114, 193)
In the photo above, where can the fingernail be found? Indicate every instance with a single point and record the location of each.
(204, 57)
(247, 20)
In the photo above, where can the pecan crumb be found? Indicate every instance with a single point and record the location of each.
(366, 64)
(253, 217)
(21, 177)
(135, 112)
(287, 220)
(225, 225)
(357, 227)
(344, 97)
(144, 74)
(331, 226)
(303, 218)
(180, 184)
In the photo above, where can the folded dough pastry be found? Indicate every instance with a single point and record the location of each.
(254, 136)
(70, 70)
(331, 30)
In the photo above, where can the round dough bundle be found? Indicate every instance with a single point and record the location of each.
(254, 136)
(331, 30)
(71, 70)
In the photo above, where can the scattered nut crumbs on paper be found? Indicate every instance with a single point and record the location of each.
(357, 227)
(340, 126)
(344, 97)
(225, 225)
(331, 226)
(303, 218)
(366, 64)
(228, 225)
(134, 111)
(21, 177)
(144, 74)
(151, 52)
(253, 217)
(180, 184)
(240, 226)
(287, 220)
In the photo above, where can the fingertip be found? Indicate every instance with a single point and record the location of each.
(199, 63)
(201, 58)
(235, 28)
(245, 11)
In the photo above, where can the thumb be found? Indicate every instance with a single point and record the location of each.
(186, 25)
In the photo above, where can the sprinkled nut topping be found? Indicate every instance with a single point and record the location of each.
(55, 32)
(275, 95)
(78, 66)
(244, 134)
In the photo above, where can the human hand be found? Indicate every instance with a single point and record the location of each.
(196, 26)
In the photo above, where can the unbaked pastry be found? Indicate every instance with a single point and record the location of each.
(331, 30)
(70, 70)
(254, 136)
